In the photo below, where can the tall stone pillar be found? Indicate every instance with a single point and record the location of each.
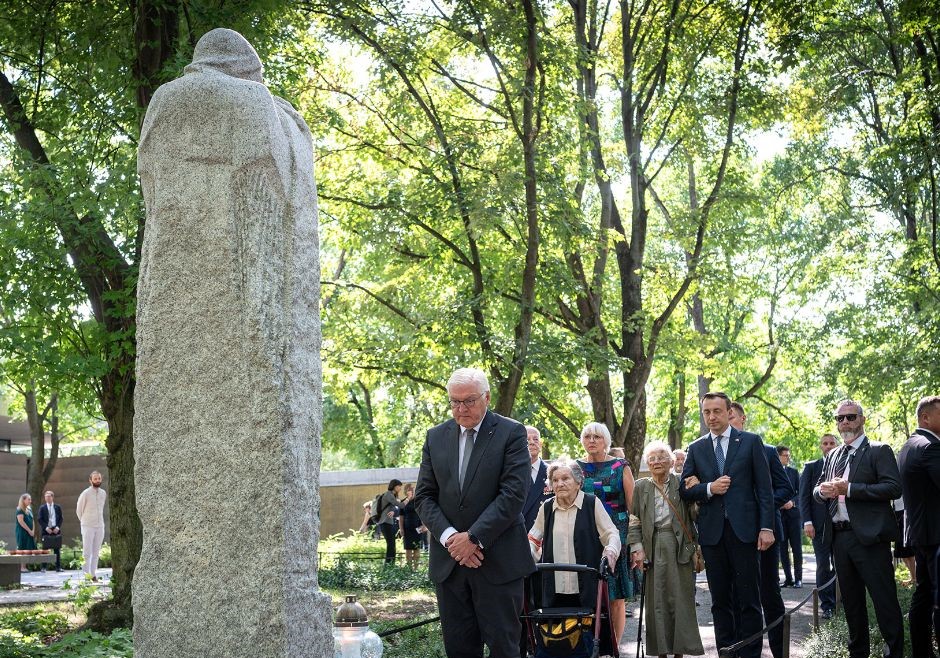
(227, 405)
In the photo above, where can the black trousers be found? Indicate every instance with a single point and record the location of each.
(389, 531)
(770, 599)
(924, 619)
(861, 568)
(791, 536)
(824, 573)
(732, 571)
(475, 612)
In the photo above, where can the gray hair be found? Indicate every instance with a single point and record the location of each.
(926, 403)
(466, 376)
(657, 446)
(598, 428)
(677, 452)
(570, 464)
(850, 401)
(530, 428)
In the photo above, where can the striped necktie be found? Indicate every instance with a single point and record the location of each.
(838, 471)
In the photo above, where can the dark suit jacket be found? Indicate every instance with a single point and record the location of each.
(811, 509)
(490, 505)
(535, 496)
(793, 476)
(919, 463)
(875, 482)
(748, 503)
(782, 485)
(44, 516)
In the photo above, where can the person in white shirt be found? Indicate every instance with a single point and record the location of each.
(90, 510)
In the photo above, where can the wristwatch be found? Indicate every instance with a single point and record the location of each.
(473, 538)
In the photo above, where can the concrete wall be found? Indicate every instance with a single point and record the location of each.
(12, 486)
(342, 494)
(68, 480)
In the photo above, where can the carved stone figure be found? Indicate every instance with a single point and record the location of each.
(227, 403)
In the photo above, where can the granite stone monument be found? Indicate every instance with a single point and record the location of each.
(227, 402)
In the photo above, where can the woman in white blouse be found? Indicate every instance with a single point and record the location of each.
(569, 515)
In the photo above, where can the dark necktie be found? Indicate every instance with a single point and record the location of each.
(719, 456)
(467, 449)
(837, 471)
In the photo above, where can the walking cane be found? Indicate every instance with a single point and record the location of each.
(639, 626)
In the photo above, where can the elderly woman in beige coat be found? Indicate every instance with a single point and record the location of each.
(660, 530)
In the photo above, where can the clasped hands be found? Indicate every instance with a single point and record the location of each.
(464, 551)
(834, 488)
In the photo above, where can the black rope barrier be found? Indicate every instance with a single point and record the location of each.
(730, 651)
(408, 627)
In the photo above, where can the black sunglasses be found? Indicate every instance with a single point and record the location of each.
(849, 417)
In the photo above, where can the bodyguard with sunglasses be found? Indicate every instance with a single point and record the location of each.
(859, 480)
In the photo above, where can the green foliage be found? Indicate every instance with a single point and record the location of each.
(361, 575)
(14, 644)
(77, 559)
(82, 594)
(422, 642)
(89, 644)
(35, 621)
(832, 640)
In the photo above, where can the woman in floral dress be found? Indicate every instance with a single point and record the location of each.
(610, 479)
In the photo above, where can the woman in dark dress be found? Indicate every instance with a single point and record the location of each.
(610, 479)
(25, 539)
(408, 524)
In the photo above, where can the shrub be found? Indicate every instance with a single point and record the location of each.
(422, 642)
(89, 644)
(372, 575)
(76, 561)
(35, 622)
(14, 644)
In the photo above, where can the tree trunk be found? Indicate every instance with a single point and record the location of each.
(126, 532)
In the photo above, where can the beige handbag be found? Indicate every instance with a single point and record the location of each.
(698, 560)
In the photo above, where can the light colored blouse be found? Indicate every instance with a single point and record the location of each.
(563, 538)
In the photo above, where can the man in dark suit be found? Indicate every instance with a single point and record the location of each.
(472, 484)
(919, 463)
(50, 521)
(771, 601)
(538, 491)
(735, 520)
(791, 528)
(814, 515)
(858, 482)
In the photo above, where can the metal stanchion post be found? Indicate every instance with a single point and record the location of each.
(786, 635)
(816, 609)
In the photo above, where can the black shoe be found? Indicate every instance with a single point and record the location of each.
(827, 614)
(786, 583)
(60, 569)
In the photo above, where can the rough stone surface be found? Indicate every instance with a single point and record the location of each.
(228, 416)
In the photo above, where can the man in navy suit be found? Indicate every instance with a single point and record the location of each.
(735, 521)
(813, 514)
(538, 492)
(919, 463)
(771, 601)
(472, 483)
(791, 530)
(50, 522)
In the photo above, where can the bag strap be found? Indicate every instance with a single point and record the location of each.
(688, 535)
